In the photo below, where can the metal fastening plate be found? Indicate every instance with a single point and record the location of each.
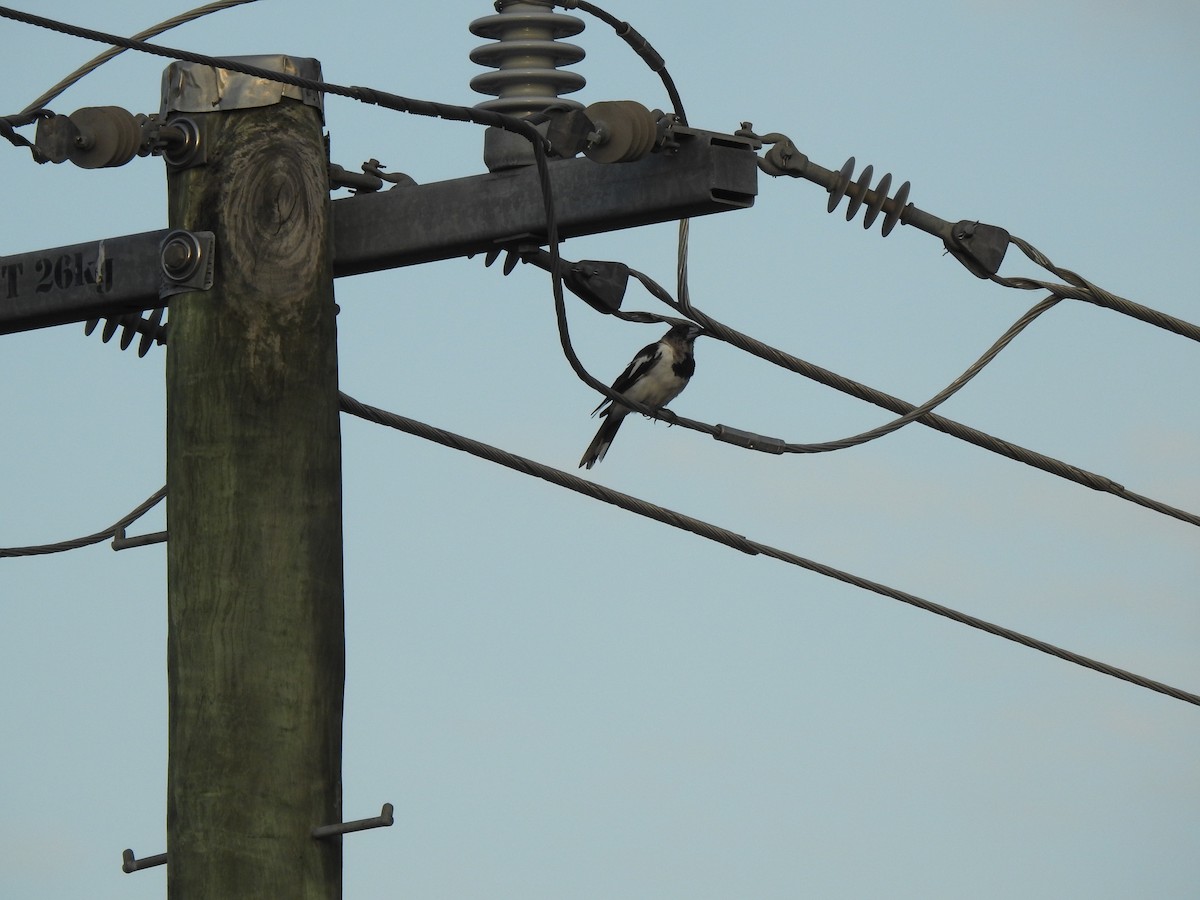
(186, 260)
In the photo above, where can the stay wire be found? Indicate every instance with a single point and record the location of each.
(729, 538)
(63, 546)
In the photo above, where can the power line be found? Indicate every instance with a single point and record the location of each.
(486, 117)
(940, 423)
(361, 94)
(731, 539)
(979, 247)
(907, 411)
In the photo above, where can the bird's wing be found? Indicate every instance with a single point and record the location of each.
(637, 368)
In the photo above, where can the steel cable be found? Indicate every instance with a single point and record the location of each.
(1079, 288)
(731, 539)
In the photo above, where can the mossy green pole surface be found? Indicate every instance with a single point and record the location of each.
(256, 649)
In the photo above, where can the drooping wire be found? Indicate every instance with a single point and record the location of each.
(731, 539)
(154, 30)
(108, 533)
(775, 445)
(876, 397)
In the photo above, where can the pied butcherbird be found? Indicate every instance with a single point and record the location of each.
(655, 377)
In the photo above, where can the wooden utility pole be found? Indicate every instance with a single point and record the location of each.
(256, 649)
(256, 642)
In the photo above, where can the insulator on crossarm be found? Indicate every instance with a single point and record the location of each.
(861, 194)
(526, 54)
(152, 329)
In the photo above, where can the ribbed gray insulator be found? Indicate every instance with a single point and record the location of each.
(526, 55)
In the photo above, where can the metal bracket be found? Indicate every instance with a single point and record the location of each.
(383, 820)
(130, 864)
(186, 260)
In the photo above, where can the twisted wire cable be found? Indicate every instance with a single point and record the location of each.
(108, 533)
(1079, 288)
(729, 538)
(727, 334)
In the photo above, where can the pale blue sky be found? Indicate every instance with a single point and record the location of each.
(564, 701)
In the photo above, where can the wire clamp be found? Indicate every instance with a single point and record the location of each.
(749, 440)
(980, 248)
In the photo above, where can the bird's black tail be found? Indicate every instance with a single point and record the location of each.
(604, 436)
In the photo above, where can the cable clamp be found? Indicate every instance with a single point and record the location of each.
(749, 440)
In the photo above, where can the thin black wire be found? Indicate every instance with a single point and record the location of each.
(731, 539)
(108, 533)
(640, 45)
